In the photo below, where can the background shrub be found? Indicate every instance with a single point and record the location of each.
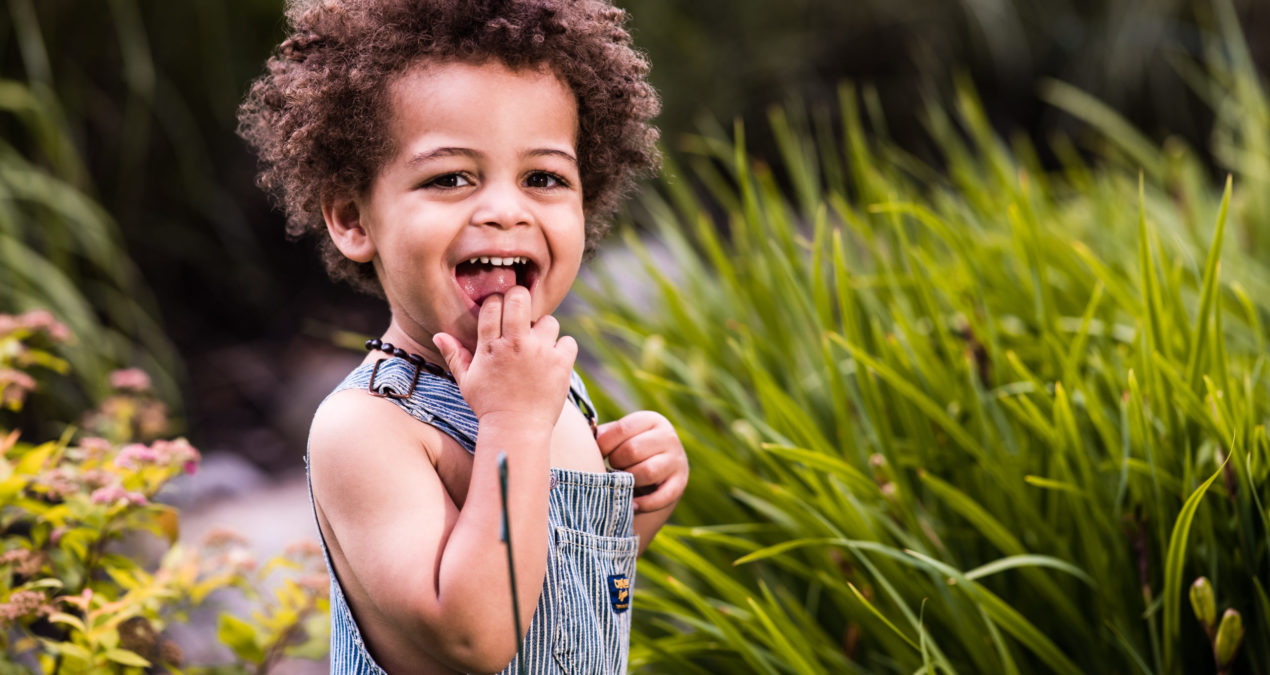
(78, 592)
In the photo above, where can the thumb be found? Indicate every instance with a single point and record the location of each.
(457, 358)
(607, 436)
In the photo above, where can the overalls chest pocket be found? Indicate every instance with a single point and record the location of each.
(595, 588)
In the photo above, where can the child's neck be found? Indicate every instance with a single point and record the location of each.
(402, 340)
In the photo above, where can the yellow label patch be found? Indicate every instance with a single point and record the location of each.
(620, 592)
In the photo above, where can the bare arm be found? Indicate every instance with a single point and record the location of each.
(435, 573)
(426, 567)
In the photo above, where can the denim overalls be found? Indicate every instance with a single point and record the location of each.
(582, 622)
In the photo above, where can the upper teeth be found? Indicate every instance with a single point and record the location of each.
(494, 260)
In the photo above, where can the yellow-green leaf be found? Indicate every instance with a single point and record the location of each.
(127, 658)
(240, 636)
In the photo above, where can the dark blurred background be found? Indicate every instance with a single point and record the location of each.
(135, 104)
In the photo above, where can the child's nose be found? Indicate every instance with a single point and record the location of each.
(502, 206)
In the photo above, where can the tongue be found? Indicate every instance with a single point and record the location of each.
(482, 281)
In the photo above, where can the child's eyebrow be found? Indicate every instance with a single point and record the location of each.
(551, 152)
(438, 153)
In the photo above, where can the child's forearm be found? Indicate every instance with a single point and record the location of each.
(473, 588)
(515, 380)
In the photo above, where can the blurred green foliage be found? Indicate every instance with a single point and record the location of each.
(146, 93)
(73, 597)
(60, 250)
(727, 58)
(986, 418)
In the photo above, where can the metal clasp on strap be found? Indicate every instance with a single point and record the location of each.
(588, 411)
(414, 381)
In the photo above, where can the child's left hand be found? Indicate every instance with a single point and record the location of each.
(646, 445)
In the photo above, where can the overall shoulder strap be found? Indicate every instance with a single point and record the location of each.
(436, 400)
(578, 394)
(430, 399)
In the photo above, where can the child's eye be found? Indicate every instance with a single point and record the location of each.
(544, 179)
(449, 180)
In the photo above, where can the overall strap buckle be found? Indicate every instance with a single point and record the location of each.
(419, 363)
(387, 392)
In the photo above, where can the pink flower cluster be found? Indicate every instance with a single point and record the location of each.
(113, 494)
(62, 481)
(135, 414)
(24, 603)
(230, 551)
(135, 454)
(59, 482)
(130, 379)
(14, 386)
(38, 320)
(223, 537)
(24, 562)
(95, 446)
(162, 452)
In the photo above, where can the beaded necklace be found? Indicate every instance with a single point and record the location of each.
(419, 363)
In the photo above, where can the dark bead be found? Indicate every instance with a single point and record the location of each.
(415, 360)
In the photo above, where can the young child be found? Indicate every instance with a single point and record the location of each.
(460, 158)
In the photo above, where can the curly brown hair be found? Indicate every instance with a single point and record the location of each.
(317, 117)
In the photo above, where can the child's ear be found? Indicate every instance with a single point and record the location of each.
(344, 222)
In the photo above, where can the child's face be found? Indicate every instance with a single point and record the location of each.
(485, 167)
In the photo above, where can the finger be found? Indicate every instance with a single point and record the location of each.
(489, 323)
(567, 348)
(666, 494)
(516, 312)
(547, 328)
(636, 449)
(651, 471)
(612, 434)
(457, 357)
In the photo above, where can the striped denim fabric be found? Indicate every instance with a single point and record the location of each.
(580, 624)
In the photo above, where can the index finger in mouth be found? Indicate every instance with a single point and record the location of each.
(489, 322)
(516, 304)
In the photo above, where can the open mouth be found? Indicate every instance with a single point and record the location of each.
(484, 276)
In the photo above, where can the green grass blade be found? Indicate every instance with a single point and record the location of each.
(1208, 293)
(1017, 561)
(1008, 619)
(1174, 561)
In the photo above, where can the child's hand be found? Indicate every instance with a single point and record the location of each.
(517, 370)
(644, 444)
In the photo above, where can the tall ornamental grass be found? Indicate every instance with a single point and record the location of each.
(984, 418)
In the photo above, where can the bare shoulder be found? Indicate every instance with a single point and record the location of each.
(348, 417)
(357, 437)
